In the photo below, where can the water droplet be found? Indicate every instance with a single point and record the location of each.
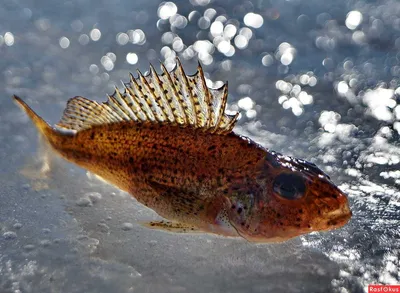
(45, 243)
(9, 235)
(17, 226)
(87, 242)
(93, 196)
(84, 202)
(103, 227)
(127, 226)
(46, 231)
(29, 247)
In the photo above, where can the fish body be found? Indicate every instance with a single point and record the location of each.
(168, 142)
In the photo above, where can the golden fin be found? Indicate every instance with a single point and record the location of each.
(168, 98)
(175, 227)
(43, 127)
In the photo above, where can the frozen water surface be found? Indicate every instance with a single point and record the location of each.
(313, 79)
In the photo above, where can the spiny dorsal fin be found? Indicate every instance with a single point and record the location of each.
(167, 98)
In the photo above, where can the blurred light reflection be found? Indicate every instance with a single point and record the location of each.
(95, 34)
(9, 39)
(132, 58)
(253, 20)
(353, 19)
(166, 10)
(64, 42)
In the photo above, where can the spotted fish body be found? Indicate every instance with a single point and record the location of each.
(168, 141)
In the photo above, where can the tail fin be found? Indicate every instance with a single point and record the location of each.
(40, 124)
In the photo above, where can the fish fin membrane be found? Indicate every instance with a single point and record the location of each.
(172, 98)
(174, 227)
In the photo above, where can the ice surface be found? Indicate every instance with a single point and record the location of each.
(70, 232)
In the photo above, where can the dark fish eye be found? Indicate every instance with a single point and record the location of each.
(289, 186)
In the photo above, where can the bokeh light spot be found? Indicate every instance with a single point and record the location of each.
(132, 58)
(253, 20)
(241, 42)
(166, 10)
(122, 39)
(353, 19)
(95, 34)
(9, 39)
(64, 42)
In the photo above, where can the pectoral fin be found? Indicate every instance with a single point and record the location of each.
(174, 227)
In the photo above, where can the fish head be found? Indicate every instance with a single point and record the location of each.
(292, 197)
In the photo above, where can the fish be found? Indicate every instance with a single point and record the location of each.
(168, 140)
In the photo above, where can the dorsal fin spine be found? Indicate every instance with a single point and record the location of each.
(207, 95)
(177, 101)
(149, 96)
(133, 105)
(231, 123)
(113, 115)
(186, 88)
(166, 107)
(117, 112)
(138, 107)
(223, 104)
(167, 98)
(172, 98)
(121, 98)
(113, 104)
(144, 103)
(124, 107)
(86, 107)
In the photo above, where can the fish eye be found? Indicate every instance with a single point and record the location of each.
(289, 186)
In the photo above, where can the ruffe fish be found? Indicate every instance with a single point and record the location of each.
(167, 141)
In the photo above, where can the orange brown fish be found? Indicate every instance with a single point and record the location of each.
(167, 140)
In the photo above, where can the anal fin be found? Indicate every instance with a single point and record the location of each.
(174, 227)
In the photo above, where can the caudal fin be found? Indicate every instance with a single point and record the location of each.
(43, 127)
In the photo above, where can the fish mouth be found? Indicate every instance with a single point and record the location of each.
(331, 220)
(338, 218)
